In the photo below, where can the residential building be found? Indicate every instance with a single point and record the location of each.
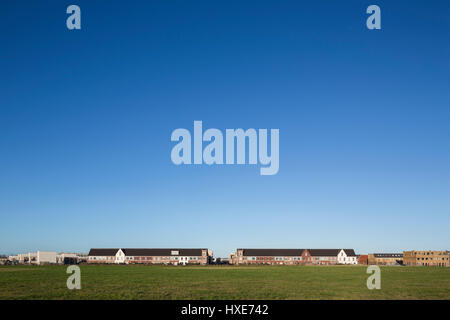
(323, 256)
(363, 259)
(268, 256)
(102, 255)
(149, 256)
(294, 256)
(385, 259)
(427, 258)
(347, 256)
(331, 256)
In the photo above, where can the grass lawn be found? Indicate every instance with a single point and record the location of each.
(223, 282)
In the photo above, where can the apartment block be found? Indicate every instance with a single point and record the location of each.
(427, 258)
(385, 259)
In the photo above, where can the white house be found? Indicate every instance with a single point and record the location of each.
(347, 256)
(120, 256)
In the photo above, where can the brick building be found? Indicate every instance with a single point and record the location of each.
(294, 256)
(331, 256)
(268, 256)
(427, 258)
(150, 256)
(363, 259)
(385, 259)
(102, 255)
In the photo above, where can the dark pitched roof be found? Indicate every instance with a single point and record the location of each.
(388, 255)
(324, 252)
(103, 252)
(161, 252)
(272, 252)
(350, 252)
(146, 252)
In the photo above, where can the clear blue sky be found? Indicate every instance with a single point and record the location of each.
(86, 118)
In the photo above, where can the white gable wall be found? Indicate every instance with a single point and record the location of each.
(344, 259)
(120, 256)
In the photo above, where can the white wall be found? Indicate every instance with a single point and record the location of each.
(344, 259)
(120, 257)
(46, 257)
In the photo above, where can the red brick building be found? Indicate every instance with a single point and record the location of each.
(363, 259)
(269, 256)
(323, 256)
(294, 256)
(149, 256)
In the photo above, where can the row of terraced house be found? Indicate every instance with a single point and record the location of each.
(150, 256)
(440, 258)
(294, 256)
(203, 256)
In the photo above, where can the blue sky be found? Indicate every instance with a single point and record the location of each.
(86, 118)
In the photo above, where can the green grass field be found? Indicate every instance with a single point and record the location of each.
(223, 282)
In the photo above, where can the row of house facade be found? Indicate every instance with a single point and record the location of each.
(294, 256)
(338, 256)
(427, 258)
(385, 259)
(203, 256)
(438, 258)
(150, 256)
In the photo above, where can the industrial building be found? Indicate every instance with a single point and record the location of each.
(46, 257)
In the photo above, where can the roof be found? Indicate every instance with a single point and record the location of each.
(350, 252)
(388, 255)
(146, 252)
(103, 252)
(273, 252)
(162, 252)
(325, 252)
